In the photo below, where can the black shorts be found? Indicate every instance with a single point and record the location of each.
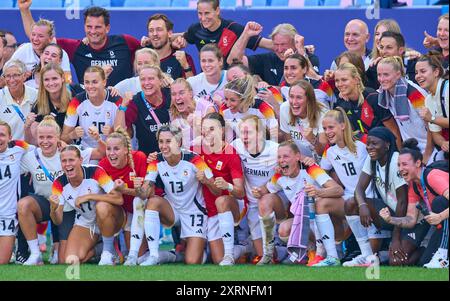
(44, 205)
(379, 204)
(417, 234)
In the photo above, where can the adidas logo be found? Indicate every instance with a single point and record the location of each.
(202, 42)
(288, 188)
(244, 160)
(166, 174)
(70, 197)
(148, 117)
(88, 55)
(274, 71)
(199, 231)
(412, 235)
(234, 120)
(39, 167)
(86, 114)
(225, 235)
(325, 237)
(337, 158)
(7, 111)
(149, 238)
(136, 236)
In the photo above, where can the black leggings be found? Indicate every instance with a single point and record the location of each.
(439, 239)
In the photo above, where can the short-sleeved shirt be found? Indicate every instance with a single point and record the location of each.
(26, 55)
(59, 116)
(367, 116)
(292, 186)
(347, 165)
(146, 127)
(295, 130)
(227, 165)
(14, 114)
(200, 36)
(437, 179)
(258, 169)
(132, 85)
(95, 181)
(395, 180)
(82, 112)
(183, 190)
(322, 90)
(10, 177)
(126, 174)
(201, 88)
(172, 66)
(118, 52)
(433, 103)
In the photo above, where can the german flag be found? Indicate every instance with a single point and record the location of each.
(72, 108)
(315, 171)
(101, 176)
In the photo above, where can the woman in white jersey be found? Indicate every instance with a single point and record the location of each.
(44, 164)
(81, 187)
(291, 181)
(11, 153)
(93, 109)
(389, 188)
(186, 112)
(183, 203)
(345, 158)
(259, 160)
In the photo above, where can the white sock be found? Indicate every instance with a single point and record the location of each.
(267, 224)
(42, 239)
(151, 226)
(137, 226)
(326, 230)
(361, 234)
(108, 244)
(443, 252)
(320, 250)
(166, 257)
(34, 246)
(226, 226)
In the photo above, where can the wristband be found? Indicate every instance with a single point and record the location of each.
(230, 187)
(122, 108)
(362, 204)
(188, 69)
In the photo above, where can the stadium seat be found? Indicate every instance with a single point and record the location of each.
(102, 3)
(82, 3)
(421, 2)
(146, 3)
(259, 3)
(311, 3)
(228, 3)
(6, 3)
(332, 3)
(180, 3)
(363, 2)
(47, 3)
(280, 3)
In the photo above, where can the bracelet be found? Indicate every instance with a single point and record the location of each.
(362, 204)
(188, 69)
(230, 187)
(122, 108)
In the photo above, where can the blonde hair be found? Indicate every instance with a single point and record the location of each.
(356, 75)
(96, 69)
(6, 125)
(284, 29)
(340, 116)
(154, 68)
(173, 109)
(48, 23)
(49, 121)
(43, 99)
(120, 133)
(258, 122)
(154, 55)
(291, 144)
(396, 62)
(390, 25)
(313, 107)
(245, 89)
(15, 64)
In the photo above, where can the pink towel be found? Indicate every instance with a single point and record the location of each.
(298, 239)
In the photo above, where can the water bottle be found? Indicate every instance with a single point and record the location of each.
(311, 204)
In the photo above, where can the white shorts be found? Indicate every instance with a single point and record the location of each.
(9, 226)
(83, 222)
(253, 223)
(213, 222)
(193, 223)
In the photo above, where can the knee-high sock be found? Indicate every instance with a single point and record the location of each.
(267, 224)
(137, 226)
(108, 244)
(226, 226)
(320, 250)
(151, 226)
(361, 234)
(326, 230)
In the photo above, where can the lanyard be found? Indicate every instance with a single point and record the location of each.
(150, 109)
(47, 173)
(19, 112)
(424, 188)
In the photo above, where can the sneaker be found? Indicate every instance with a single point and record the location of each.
(358, 261)
(438, 261)
(21, 257)
(131, 260)
(265, 259)
(34, 259)
(119, 259)
(151, 260)
(54, 259)
(256, 259)
(314, 260)
(227, 260)
(143, 258)
(328, 262)
(107, 258)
